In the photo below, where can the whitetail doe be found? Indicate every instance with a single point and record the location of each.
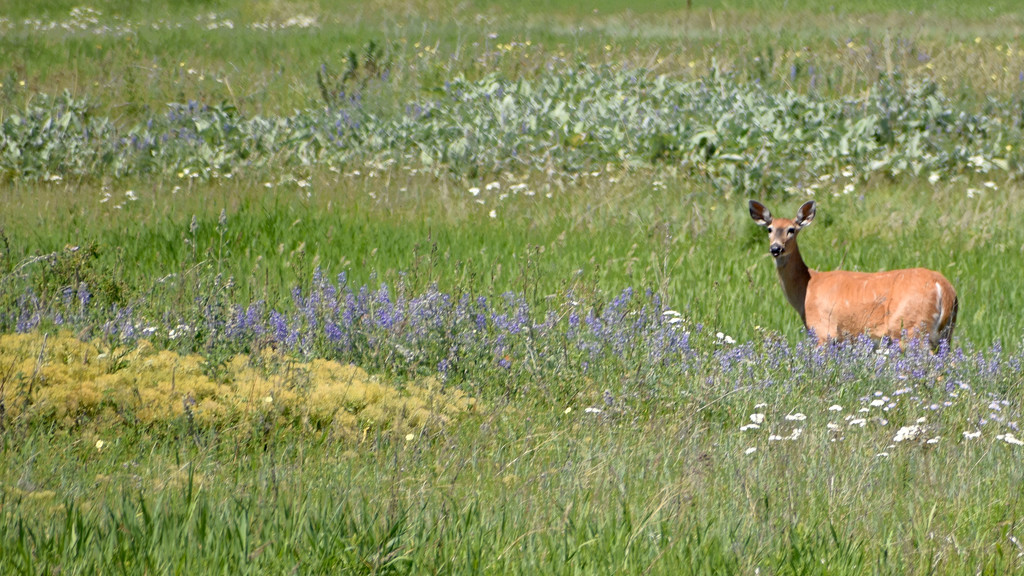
(841, 305)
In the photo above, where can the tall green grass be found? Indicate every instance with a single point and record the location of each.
(551, 490)
(133, 58)
(701, 253)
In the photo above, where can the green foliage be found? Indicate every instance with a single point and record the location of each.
(733, 135)
(53, 137)
(341, 90)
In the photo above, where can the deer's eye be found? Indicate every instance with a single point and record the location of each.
(792, 230)
(769, 229)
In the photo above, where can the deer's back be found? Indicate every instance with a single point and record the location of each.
(840, 304)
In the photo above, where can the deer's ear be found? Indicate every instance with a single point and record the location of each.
(760, 214)
(805, 214)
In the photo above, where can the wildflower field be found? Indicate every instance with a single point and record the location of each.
(471, 287)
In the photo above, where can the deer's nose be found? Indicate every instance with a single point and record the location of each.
(776, 249)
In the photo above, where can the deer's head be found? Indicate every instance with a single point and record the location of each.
(781, 231)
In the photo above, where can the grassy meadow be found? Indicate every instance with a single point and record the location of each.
(471, 287)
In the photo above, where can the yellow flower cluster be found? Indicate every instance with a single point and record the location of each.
(58, 379)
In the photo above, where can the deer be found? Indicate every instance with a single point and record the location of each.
(840, 305)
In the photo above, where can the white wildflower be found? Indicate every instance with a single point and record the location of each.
(1009, 438)
(979, 163)
(907, 433)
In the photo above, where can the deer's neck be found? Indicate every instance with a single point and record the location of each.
(794, 276)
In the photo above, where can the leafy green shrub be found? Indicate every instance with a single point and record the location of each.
(736, 136)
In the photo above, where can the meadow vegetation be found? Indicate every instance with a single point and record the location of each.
(470, 287)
